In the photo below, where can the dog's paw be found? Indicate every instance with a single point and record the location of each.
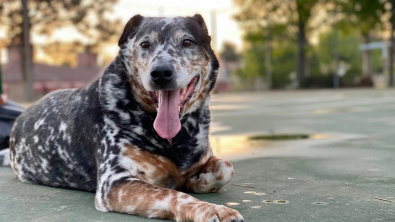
(224, 214)
(198, 184)
(206, 212)
(211, 181)
(203, 184)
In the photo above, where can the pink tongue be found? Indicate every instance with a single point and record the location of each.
(167, 123)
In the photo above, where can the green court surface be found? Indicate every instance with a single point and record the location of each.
(298, 156)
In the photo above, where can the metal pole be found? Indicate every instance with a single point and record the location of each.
(1, 80)
(335, 55)
(214, 28)
(27, 55)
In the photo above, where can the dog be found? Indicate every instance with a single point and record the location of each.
(137, 134)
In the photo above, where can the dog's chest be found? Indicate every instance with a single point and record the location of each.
(156, 169)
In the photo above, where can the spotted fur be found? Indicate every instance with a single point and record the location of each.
(101, 139)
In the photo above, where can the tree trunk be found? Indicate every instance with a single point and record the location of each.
(302, 53)
(391, 65)
(366, 59)
(268, 60)
(27, 66)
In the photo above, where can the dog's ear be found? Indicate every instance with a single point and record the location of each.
(130, 28)
(201, 22)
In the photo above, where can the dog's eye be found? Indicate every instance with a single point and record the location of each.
(187, 42)
(145, 45)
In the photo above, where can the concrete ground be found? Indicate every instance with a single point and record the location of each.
(345, 170)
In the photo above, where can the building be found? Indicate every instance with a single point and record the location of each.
(47, 78)
(226, 81)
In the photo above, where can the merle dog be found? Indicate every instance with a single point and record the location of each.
(137, 133)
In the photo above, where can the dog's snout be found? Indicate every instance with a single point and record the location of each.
(162, 75)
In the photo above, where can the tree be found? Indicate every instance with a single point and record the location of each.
(364, 16)
(392, 42)
(89, 17)
(349, 56)
(60, 53)
(283, 54)
(304, 13)
(292, 15)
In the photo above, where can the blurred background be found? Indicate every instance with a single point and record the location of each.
(262, 44)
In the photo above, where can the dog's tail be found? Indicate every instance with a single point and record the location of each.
(5, 157)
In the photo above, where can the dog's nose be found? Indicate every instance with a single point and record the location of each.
(162, 75)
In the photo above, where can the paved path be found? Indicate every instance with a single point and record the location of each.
(337, 175)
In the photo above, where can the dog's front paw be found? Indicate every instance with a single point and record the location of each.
(203, 184)
(211, 182)
(206, 212)
(212, 179)
(225, 214)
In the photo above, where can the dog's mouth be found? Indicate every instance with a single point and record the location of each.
(170, 106)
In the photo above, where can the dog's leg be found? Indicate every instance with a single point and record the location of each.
(134, 196)
(214, 175)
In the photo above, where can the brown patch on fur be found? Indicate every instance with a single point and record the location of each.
(220, 176)
(141, 95)
(150, 201)
(158, 170)
(179, 34)
(218, 170)
(139, 198)
(201, 93)
(155, 36)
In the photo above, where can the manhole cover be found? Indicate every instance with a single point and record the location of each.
(281, 137)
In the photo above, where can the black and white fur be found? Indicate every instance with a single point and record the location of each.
(74, 138)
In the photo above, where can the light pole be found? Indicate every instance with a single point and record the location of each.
(213, 16)
(161, 11)
(1, 80)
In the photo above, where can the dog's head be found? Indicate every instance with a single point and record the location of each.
(171, 66)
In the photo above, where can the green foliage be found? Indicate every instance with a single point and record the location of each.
(283, 63)
(254, 13)
(89, 17)
(287, 19)
(348, 53)
(253, 62)
(362, 15)
(314, 62)
(303, 8)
